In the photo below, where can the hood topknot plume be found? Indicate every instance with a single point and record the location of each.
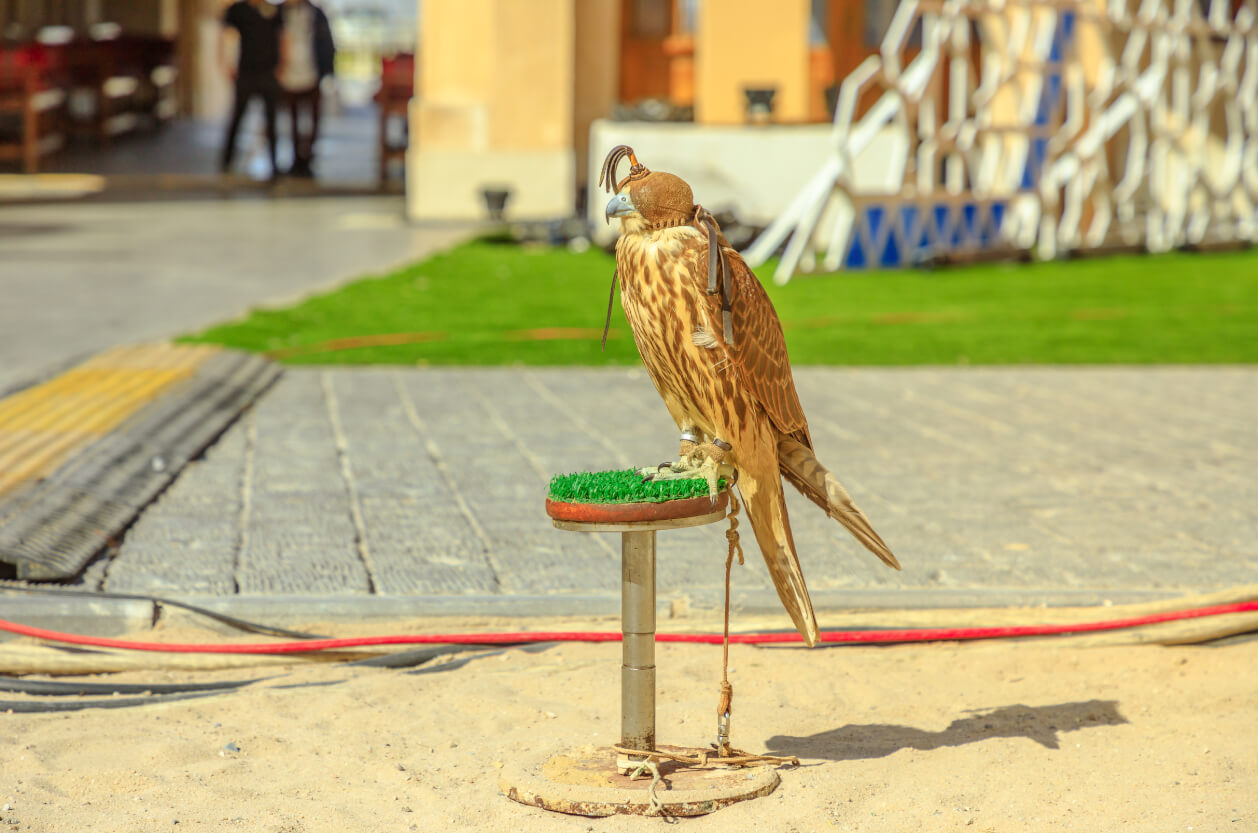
(607, 178)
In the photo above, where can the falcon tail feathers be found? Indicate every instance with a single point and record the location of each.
(800, 466)
(766, 510)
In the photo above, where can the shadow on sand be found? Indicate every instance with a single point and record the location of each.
(1041, 724)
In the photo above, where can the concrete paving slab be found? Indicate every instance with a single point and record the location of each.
(80, 277)
(395, 491)
(100, 617)
(89, 450)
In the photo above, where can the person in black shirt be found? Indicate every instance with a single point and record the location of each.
(260, 57)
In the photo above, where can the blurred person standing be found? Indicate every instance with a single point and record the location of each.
(309, 56)
(260, 58)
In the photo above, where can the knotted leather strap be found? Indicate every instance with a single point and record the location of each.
(720, 276)
(611, 300)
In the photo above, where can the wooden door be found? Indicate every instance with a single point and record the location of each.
(645, 28)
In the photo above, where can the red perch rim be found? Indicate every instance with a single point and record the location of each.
(620, 513)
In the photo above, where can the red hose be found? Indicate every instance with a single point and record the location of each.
(864, 636)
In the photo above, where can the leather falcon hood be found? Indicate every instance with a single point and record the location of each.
(663, 199)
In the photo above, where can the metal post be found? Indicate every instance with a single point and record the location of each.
(637, 624)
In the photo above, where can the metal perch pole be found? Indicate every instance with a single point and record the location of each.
(637, 615)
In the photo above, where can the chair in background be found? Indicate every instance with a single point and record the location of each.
(397, 86)
(32, 106)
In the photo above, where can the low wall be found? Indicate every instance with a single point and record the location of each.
(754, 171)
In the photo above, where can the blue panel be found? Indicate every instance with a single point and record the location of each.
(912, 235)
(956, 237)
(908, 221)
(1054, 96)
(855, 253)
(873, 218)
(969, 224)
(891, 254)
(993, 235)
(1054, 50)
(1049, 95)
(941, 228)
(1036, 151)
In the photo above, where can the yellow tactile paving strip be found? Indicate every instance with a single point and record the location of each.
(40, 427)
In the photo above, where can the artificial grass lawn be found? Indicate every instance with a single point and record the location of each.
(489, 303)
(623, 486)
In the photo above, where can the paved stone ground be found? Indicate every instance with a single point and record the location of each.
(992, 485)
(190, 148)
(80, 277)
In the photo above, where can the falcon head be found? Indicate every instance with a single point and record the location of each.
(654, 198)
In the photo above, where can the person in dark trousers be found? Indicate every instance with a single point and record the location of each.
(260, 58)
(309, 56)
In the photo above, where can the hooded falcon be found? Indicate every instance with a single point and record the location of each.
(712, 344)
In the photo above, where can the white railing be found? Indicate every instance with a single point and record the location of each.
(1092, 124)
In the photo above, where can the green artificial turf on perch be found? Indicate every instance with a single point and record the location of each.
(623, 486)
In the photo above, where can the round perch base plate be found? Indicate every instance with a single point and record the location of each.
(585, 782)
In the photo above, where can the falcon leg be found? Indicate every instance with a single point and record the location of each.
(698, 459)
(690, 440)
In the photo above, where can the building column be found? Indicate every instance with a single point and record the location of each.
(750, 43)
(494, 108)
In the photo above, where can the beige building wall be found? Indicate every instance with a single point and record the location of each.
(496, 107)
(506, 91)
(597, 77)
(751, 43)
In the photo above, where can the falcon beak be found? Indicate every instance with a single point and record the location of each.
(620, 206)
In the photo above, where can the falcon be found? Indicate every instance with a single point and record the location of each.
(712, 344)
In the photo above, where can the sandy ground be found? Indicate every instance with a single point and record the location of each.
(1000, 737)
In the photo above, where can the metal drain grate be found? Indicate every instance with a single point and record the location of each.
(51, 528)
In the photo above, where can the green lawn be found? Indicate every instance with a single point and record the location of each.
(488, 303)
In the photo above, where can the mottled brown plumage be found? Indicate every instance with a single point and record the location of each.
(738, 388)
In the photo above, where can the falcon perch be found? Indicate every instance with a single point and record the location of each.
(712, 344)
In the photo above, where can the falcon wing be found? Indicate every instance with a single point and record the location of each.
(759, 351)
